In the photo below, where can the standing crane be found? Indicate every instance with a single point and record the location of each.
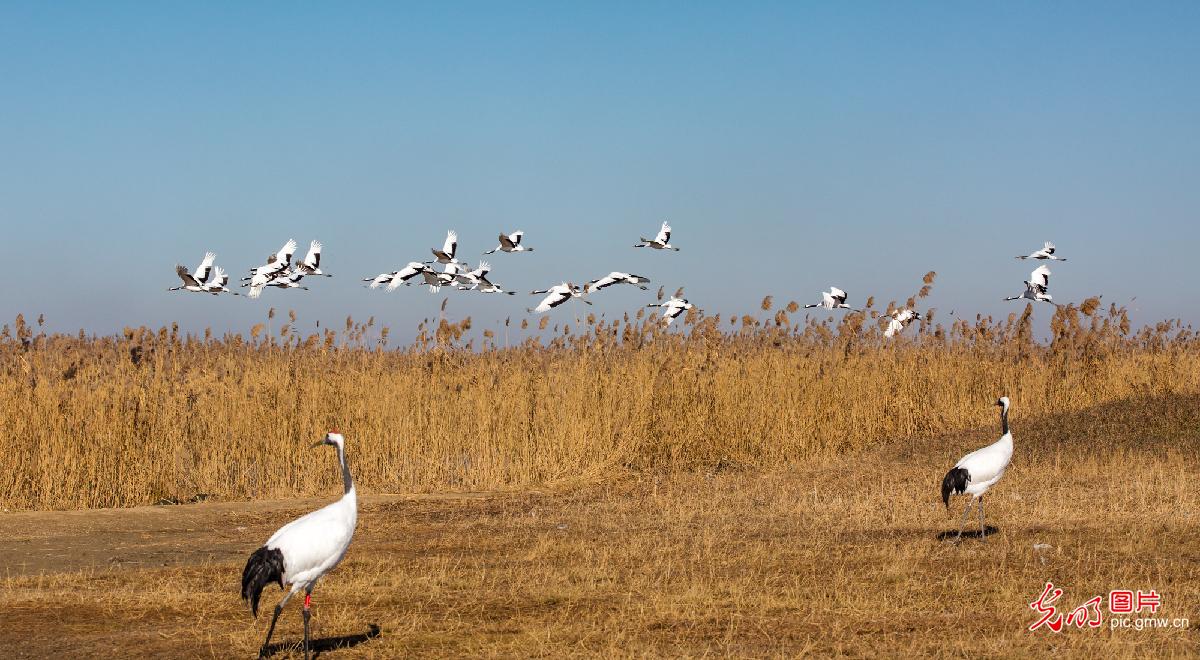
(304, 550)
(979, 470)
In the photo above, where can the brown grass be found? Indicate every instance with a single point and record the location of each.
(151, 416)
(835, 555)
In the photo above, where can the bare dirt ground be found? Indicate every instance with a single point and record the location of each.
(828, 557)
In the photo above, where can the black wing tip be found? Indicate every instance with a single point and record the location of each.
(954, 483)
(263, 567)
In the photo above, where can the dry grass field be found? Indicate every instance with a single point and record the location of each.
(766, 487)
(838, 555)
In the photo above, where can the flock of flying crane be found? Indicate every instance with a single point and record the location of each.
(279, 272)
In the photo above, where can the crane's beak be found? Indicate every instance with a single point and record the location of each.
(318, 444)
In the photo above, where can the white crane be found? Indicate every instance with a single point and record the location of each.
(486, 286)
(195, 281)
(257, 283)
(189, 282)
(979, 470)
(450, 274)
(433, 279)
(1037, 287)
(312, 261)
(660, 242)
(835, 298)
(899, 319)
(289, 280)
(304, 550)
(276, 263)
(511, 243)
(472, 279)
(673, 308)
(402, 276)
(477, 280)
(216, 285)
(557, 295)
(397, 277)
(449, 249)
(1047, 252)
(382, 278)
(617, 277)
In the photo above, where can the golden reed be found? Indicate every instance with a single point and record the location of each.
(155, 415)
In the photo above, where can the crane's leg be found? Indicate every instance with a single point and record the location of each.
(982, 529)
(307, 614)
(262, 653)
(964, 519)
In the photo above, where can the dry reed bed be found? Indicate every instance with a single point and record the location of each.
(148, 416)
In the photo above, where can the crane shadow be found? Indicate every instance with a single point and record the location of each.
(325, 644)
(950, 535)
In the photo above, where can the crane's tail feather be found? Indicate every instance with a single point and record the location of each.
(264, 567)
(954, 483)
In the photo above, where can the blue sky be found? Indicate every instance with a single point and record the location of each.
(792, 146)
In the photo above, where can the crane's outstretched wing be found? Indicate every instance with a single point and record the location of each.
(205, 267)
(664, 234)
(184, 275)
(1040, 278)
(285, 253)
(312, 261)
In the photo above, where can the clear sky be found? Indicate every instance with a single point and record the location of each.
(791, 145)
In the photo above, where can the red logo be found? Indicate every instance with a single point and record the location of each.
(1088, 615)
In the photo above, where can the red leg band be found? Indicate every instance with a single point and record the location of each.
(307, 600)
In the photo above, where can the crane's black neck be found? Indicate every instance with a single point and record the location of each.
(347, 480)
(1003, 420)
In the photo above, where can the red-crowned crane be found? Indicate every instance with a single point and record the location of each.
(834, 298)
(304, 550)
(511, 243)
(617, 277)
(1047, 252)
(195, 281)
(383, 278)
(556, 295)
(1037, 287)
(312, 261)
(470, 279)
(449, 249)
(217, 284)
(899, 320)
(276, 263)
(289, 280)
(979, 470)
(660, 242)
(673, 308)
